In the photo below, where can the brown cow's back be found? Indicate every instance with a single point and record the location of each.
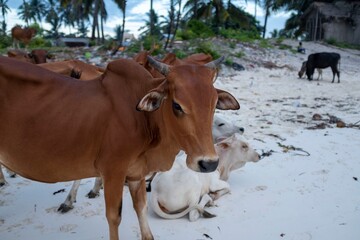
(53, 122)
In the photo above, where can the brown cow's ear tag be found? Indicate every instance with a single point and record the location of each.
(151, 101)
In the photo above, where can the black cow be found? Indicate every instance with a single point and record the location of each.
(323, 60)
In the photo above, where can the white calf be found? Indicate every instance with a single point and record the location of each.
(224, 128)
(181, 190)
(221, 128)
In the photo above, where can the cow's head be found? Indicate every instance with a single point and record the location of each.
(39, 55)
(188, 100)
(303, 69)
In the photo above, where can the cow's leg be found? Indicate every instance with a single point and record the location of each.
(2, 178)
(219, 188)
(113, 192)
(138, 195)
(96, 189)
(67, 205)
(335, 72)
(205, 200)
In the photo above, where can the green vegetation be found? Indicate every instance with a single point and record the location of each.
(332, 41)
(206, 47)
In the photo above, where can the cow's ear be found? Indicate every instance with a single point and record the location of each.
(152, 100)
(226, 101)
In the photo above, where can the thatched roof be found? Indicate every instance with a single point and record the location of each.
(336, 10)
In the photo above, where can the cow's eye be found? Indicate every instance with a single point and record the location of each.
(221, 124)
(177, 109)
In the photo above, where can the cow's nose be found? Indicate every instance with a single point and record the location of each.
(242, 130)
(206, 166)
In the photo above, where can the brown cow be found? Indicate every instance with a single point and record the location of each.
(171, 59)
(23, 35)
(120, 126)
(74, 68)
(36, 56)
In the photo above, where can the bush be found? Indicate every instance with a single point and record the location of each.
(39, 42)
(243, 36)
(332, 41)
(206, 47)
(5, 41)
(195, 29)
(147, 43)
(239, 54)
(180, 54)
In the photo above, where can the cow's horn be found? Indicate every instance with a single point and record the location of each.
(161, 67)
(214, 64)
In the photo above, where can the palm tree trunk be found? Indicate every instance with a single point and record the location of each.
(267, 13)
(95, 18)
(176, 24)
(151, 18)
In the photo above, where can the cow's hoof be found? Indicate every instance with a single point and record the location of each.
(92, 194)
(64, 208)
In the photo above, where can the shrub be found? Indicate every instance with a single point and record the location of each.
(39, 42)
(239, 54)
(206, 47)
(196, 29)
(241, 35)
(5, 41)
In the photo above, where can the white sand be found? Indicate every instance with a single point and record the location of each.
(284, 196)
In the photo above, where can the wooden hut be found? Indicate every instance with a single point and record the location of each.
(339, 21)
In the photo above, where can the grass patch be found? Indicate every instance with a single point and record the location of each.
(332, 41)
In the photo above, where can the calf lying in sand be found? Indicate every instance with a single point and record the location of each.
(221, 128)
(180, 191)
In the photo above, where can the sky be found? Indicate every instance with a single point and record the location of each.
(136, 14)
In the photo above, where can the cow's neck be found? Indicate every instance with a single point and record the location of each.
(163, 146)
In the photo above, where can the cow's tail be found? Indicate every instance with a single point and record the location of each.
(161, 211)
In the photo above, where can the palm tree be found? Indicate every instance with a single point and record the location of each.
(122, 6)
(4, 10)
(95, 24)
(53, 18)
(25, 12)
(208, 10)
(177, 22)
(68, 16)
(80, 12)
(38, 9)
(151, 16)
(103, 18)
(153, 19)
(192, 6)
(169, 23)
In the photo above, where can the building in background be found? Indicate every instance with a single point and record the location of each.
(339, 21)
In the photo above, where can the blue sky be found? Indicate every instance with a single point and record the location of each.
(136, 14)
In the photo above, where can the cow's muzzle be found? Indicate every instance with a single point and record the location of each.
(206, 166)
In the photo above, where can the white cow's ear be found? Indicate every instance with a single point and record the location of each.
(226, 101)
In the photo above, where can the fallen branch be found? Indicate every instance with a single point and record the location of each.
(292, 148)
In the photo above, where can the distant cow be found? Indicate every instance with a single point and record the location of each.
(323, 60)
(23, 35)
(303, 70)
